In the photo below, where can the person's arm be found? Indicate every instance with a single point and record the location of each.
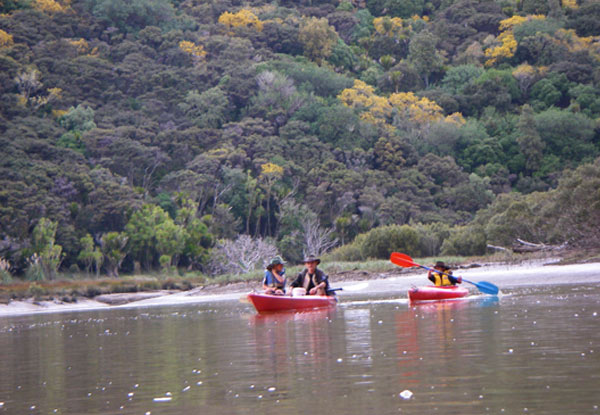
(266, 281)
(323, 284)
(297, 282)
(430, 276)
(279, 278)
(455, 280)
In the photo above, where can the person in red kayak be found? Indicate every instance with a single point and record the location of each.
(274, 281)
(311, 279)
(442, 276)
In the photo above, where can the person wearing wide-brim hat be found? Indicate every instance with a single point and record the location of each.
(274, 280)
(311, 279)
(441, 275)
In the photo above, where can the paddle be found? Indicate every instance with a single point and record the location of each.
(405, 261)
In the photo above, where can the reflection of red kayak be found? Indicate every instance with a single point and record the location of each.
(431, 292)
(266, 302)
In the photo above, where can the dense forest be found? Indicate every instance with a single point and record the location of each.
(206, 135)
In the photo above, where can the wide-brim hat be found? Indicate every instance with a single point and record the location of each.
(276, 261)
(312, 258)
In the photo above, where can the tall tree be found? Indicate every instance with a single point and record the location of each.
(424, 55)
(530, 142)
(317, 37)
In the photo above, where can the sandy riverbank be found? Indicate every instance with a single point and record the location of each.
(396, 279)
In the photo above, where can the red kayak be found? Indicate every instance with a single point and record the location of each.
(268, 302)
(433, 293)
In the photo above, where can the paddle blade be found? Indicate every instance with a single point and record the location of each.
(485, 287)
(402, 260)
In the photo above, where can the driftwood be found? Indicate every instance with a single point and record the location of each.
(525, 246)
(520, 246)
(497, 248)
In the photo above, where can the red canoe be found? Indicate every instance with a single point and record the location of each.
(266, 302)
(433, 293)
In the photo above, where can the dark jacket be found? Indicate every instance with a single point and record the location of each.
(315, 280)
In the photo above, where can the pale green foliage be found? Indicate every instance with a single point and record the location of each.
(170, 240)
(458, 77)
(208, 109)
(113, 246)
(80, 118)
(48, 255)
(465, 240)
(5, 276)
(424, 55)
(90, 254)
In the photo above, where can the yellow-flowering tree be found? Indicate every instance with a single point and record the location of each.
(574, 43)
(48, 6)
(570, 4)
(6, 40)
(243, 18)
(317, 37)
(389, 26)
(505, 50)
(81, 44)
(506, 44)
(406, 106)
(416, 110)
(197, 52)
(525, 74)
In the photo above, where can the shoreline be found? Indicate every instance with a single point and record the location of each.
(350, 280)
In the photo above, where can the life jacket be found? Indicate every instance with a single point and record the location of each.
(441, 279)
(309, 281)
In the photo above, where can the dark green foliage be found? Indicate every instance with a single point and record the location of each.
(566, 135)
(586, 19)
(133, 15)
(146, 153)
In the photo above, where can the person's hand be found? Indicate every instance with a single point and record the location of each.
(459, 279)
(313, 291)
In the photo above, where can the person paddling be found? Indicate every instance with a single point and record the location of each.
(274, 281)
(441, 275)
(311, 279)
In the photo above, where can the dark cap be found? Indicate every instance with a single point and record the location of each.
(276, 261)
(312, 258)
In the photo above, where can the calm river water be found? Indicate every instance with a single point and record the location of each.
(533, 351)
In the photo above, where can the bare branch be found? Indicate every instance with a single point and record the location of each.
(317, 240)
(241, 256)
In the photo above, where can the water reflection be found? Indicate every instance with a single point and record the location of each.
(473, 356)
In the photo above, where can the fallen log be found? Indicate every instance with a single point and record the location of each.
(526, 246)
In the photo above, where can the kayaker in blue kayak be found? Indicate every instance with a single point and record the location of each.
(274, 281)
(313, 280)
(442, 276)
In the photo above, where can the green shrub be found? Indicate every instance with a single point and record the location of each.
(467, 240)
(382, 241)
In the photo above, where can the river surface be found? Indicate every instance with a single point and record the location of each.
(535, 349)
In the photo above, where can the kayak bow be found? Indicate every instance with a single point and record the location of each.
(267, 302)
(433, 293)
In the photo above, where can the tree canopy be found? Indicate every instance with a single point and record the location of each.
(152, 133)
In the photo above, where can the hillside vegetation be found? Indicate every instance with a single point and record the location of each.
(209, 135)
